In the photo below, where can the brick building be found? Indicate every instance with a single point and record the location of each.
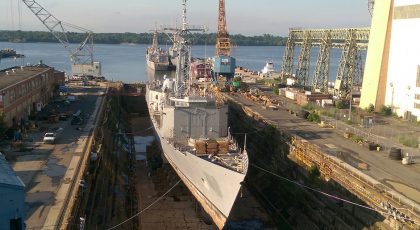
(24, 90)
(59, 78)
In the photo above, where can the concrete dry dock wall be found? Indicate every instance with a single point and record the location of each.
(397, 211)
(79, 167)
(60, 212)
(374, 193)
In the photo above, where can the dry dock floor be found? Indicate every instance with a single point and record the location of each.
(177, 209)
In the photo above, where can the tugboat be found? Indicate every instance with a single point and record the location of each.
(10, 53)
(268, 68)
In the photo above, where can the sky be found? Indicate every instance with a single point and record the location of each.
(247, 17)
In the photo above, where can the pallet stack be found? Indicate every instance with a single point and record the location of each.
(223, 146)
(212, 147)
(200, 147)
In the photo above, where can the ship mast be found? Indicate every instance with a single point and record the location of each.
(184, 60)
(182, 79)
(155, 40)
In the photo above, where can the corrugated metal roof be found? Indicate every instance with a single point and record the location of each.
(7, 175)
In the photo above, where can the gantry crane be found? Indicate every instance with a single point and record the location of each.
(352, 41)
(223, 64)
(82, 56)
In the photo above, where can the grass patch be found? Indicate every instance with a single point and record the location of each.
(309, 107)
(357, 139)
(326, 113)
(314, 117)
(409, 141)
(276, 90)
(370, 109)
(385, 110)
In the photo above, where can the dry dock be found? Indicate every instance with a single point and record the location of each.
(125, 191)
(179, 209)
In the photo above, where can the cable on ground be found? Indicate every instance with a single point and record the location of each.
(137, 132)
(327, 194)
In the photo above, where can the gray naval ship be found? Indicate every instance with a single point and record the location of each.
(192, 127)
(156, 58)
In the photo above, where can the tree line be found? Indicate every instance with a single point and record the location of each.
(139, 38)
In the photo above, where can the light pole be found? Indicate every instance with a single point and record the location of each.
(408, 100)
(351, 98)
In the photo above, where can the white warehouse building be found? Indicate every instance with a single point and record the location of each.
(392, 74)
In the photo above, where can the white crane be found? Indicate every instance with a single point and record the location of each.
(82, 56)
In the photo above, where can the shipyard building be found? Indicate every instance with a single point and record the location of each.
(25, 90)
(12, 198)
(392, 74)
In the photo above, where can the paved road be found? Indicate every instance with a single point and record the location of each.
(43, 168)
(404, 179)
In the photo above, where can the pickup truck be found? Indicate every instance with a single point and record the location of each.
(49, 138)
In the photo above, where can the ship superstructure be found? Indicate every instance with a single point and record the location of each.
(173, 50)
(268, 68)
(192, 127)
(156, 57)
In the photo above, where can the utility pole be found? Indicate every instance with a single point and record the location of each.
(392, 96)
(408, 102)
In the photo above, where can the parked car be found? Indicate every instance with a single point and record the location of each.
(72, 98)
(76, 121)
(49, 138)
(64, 115)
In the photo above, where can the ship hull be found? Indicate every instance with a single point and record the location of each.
(215, 187)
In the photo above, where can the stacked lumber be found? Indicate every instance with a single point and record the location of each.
(223, 146)
(212, 146)
(200, 147)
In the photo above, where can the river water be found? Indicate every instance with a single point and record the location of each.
(126, 62)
